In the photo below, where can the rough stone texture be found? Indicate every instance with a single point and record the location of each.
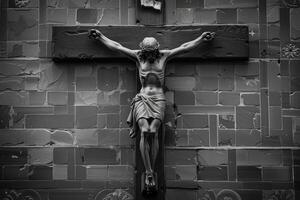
(63, 125)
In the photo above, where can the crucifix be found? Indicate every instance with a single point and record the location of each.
(158, 45)
(148, 106)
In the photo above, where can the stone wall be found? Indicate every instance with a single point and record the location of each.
(63, 130)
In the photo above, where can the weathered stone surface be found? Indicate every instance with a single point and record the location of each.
(212, 157)
(63, 46)
(108, 98)
(40, 156)
(248, 138)
(63, 138)
(108, 78)
(248, 173)
(275, 117)
(295, 100)
(184, 97)
(229, 98)
(198, 138)
(22, 24)
(212, 173)
(181, 194)
(205, 16)
(276, 173)
(15, 83)
(60, 172)
(186, 172)
(56, 15)
(37, 98)
(206, 98)
(227, 16)
(49, 121)
(226, 138)
(245, 116)
(195, 121)
(108, 137)
(40, 172)
(86, 116)
(206, 83)
(57, 98)
(250, 99)
(13, 156)
(101, 156)
(86, 84)
(226, 121)
(120, 172)
(86, 98)
(97, 172)
(85, 15)
(86, 136)
(180, 157)
(180, 83)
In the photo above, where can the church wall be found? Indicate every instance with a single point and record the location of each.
(236, 126)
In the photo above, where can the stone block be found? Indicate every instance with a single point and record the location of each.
(180, 157)
(229, 98)
(250, 99)
(86, 136)
(120, 172)
(13, 98)
(206, 83)
(226, 138)
(22, 24)
(181, 138)
(108, 137)
(170, 172)
(226, 84)
(177, 194)
(40, 156)
(65, 194)
(127, 156)
(86, 98)
(104, 4)
(275, 117)
(227, 16)
(49, 121)
(60, 172)
(212, 157)
(248, 138)
(128, 77)
(248, 15)
(23, 4)
(37, 98)
(110, 16)
(95, 172)
(63, 155)
(206, 98)
(195, 121)
(57, 15)
(249, 173)
(180, 83)
(86, 116)
(126, 97)
(77, 4)
(226, 121)
(245, 116)
(86, 84)
(295, 100)
(229, 4)
(85, 15)
(186, 172)
(108, 78)
(277, 173)
(125, 140)
(184, 98)
(184, 15)
(14, 83)
(101, 156)
(40, 172)
(205, 16)
(113, 120)
(57, 98)
(189, 4)
(212, 173)
(198, 138)
(15, 172)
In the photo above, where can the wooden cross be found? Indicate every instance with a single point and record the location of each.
(72, 43)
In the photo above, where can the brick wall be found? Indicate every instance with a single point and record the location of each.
(63, 129)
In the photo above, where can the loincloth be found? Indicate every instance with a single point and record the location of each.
(145, 106)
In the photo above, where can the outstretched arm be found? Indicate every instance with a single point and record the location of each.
(113, 45)
(205, 37)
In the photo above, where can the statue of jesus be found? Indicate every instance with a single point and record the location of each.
(148, 106)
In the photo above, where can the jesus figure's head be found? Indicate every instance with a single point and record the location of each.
(149, 50)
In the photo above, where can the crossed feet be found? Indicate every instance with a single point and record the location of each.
(150, 185)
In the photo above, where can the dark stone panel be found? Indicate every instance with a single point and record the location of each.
(249, 173)
(195, 121)
(180, 157)
(250, 194)
(245, 116)
(213, 131)
(85, 15)
(86, 116)
(226, 137)
(101, 156)
(13, 156)
(177, 194)
(277, 174)
(227, 16)
(212, 173)
(15, 172)
(40, 172)
(64, 39)
(197, 138)
(49, 121)
(184, 98)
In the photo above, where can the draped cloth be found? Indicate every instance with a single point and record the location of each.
(146, 106)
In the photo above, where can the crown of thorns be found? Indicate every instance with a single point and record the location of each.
(149, 47)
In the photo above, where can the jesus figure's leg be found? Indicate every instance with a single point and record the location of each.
(144, 145)
(154, 126)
